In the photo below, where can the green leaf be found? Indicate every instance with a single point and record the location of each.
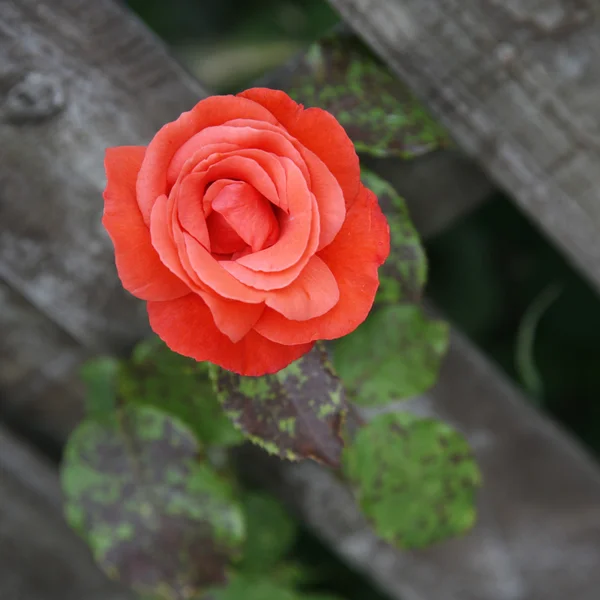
(524, 355)
(380, 114)
(404, 273)
(292, 574)
(415, 479)
(271, 533)
(249, 588)
(243, 588)
(295, 413)
(395, 354)
(180, 386)
(154, 517)
(100, 377)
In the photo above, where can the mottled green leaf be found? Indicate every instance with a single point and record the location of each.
(415, 479)
(295, 413)
(100, 376)
(155, 517)
(404, 273)
(155, 376)
(271, 532)
(382, 117)
(395, 354)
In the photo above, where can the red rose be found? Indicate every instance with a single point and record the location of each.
(246, 229)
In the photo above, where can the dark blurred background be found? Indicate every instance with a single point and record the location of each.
(493, 273)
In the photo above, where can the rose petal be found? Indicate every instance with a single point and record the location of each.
(353, 257)
(318, 131)
(152, 179)
(190, 210)
(277, 279)
(139, 267)
(163, 241)
(187, 327)
(295, 227)
(272, 140)
(205, 153)
(240, 167)
(249, 213)
(312, 294)
(213, 190)
(213, 275)
(234, 319)
(224, 238)
(325, 187)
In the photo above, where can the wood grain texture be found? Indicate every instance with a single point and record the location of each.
(517, 84)
(40, 391)
(538, 530)
(75, 78)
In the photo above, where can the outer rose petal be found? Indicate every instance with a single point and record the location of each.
(359, 249)
(187, 327)
(313, 293)
(319, 131)
(234, 319)
(140, 269)
(216, 110)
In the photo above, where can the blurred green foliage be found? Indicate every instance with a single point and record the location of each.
(487, 271)
(228, 44)
(205, 20)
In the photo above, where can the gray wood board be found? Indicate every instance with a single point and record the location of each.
(76, 77)
(40, 557)
(517, 85)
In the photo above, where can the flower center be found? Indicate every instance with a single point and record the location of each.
(240, 219)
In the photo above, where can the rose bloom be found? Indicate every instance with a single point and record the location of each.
(246, 229)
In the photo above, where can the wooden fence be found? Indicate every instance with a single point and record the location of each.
(517, 85)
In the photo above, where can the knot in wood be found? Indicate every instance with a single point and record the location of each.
(34, 98)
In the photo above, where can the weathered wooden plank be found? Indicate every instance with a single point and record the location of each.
(76, 77)
(40, 391)
(439, 188)
(40, 557)
(517, 84)
(538, 533)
